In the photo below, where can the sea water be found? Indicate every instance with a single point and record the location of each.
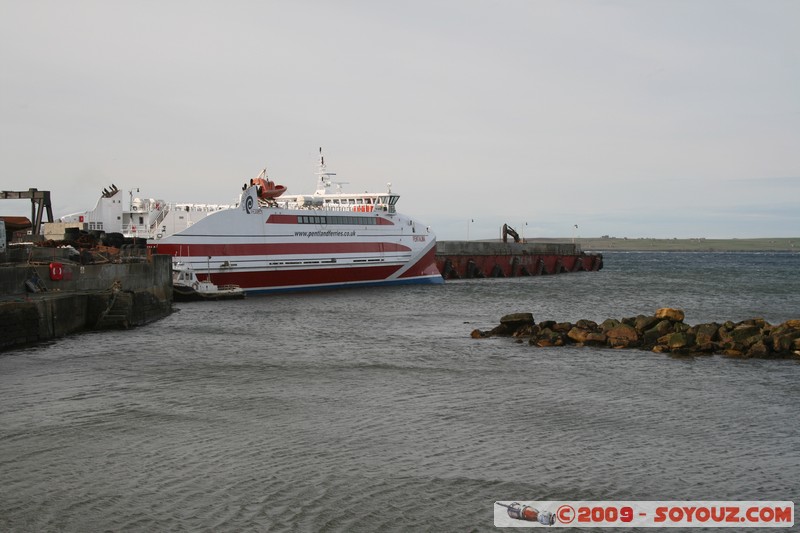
(374, 410)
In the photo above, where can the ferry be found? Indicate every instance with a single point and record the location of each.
(145, 218)
(269, 241)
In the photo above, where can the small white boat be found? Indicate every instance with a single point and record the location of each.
(187, 287)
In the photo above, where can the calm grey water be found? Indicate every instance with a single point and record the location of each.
(373, 410)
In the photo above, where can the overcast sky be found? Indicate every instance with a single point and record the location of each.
(626, 118)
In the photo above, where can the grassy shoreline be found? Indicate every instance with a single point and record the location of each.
(624, 244)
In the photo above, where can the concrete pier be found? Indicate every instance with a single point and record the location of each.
(485, 259)
(93, 296)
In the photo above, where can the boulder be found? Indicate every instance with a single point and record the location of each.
(578, 334)
(784, 338)
(680, 326)
(746, 335)
(643, 323)
(547, 337)
(663, 327)
(623, 336)
(732, 353)
(706, 333)
(680, 339)
(517, 320)
(596, 338)
(759, 350)
(524, 331)
(609, 323)
(502, 329)
(676, 315)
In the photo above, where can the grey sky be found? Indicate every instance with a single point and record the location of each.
(628, 118)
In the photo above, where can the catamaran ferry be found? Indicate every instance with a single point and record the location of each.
(269, 241)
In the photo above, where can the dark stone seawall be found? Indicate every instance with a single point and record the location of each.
(103, 296)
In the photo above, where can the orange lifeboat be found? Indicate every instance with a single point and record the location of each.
(267, 189)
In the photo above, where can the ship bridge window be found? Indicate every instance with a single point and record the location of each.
(336, 220)
(393, 199)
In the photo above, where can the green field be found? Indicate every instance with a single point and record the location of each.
(610, 244)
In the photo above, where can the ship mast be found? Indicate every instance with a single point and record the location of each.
(325, 177)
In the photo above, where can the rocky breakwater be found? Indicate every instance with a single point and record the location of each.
(663, 332)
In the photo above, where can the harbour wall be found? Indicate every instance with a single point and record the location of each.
(92, 296)
(488, 259)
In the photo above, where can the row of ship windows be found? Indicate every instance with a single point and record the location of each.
(363, 221)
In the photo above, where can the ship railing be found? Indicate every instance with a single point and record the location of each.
(344, 208)
(200, 207)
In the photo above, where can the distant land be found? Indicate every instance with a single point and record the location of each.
(626, 244)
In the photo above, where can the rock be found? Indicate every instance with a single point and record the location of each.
(623, 336)
(675, 315)
(563, 327)
(477, 334)
(680, 326)
(578, 334)
(502, 329)
(517, 320)
(664, 327)
(595, 338)
(660, 348)
(548, 337)
(706, 348)
(706, 333)
(651, 336)
(586, 324)
(732, 346)
(759, 350)
(745, 335)
(679, 340)
(759, 322)
(794, 323)
(608, 324)
(732, 353)
(643, 323)
(784, 338)
(524, 331)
